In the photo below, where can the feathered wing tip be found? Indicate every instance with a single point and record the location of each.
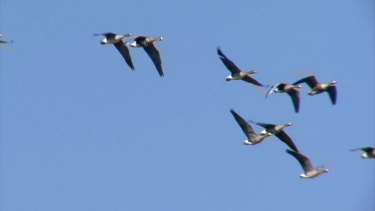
(220, 53)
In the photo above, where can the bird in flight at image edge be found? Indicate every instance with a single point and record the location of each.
(368, 152)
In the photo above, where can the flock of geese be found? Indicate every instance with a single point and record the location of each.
(236, 73)
(271, 129)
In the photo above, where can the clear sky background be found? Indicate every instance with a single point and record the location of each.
(81, 131)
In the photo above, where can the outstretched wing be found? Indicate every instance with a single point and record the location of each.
(264, 125)
(124, 51)
(332, 92)
(287, 140)
(294, 95)
(365, 149)
(227, 62)
(245, 126)
(310, 80)
(368, 149)
(154, 54)
(107, 34)
(251, 80)
(303, 160)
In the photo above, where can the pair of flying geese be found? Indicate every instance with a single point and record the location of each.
(290, 89)
(147, 43)
(270, 129)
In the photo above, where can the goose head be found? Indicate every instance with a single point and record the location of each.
(324, 170)
(288, 124)
(333, 82)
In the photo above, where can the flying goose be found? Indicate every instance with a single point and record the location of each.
(369, 152)
(3, 41)
(290, 89)
(252, 137)
(278, 131)
(147, 44)
(309, 170)
(116, 40)
(236, 73)
(317, 88)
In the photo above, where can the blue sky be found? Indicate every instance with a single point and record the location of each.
(81, 131)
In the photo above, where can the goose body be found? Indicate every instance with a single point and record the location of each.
(252, 137)
(317, 88)
(278, 131)
(290, 89)
(236, 73)
(309, 170)
(368, 152)
(116, 40)
(147, 43)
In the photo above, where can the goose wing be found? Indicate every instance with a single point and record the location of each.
(154, 54)
(365, 149)
(287, 140)
(294, 95)
(124, 51)
(106, 34)
(310, 80)
(368, 149)
(332, 92)
(251, 80)
(228, 63)
(265, 125)
(303, 160)
(245, 126)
